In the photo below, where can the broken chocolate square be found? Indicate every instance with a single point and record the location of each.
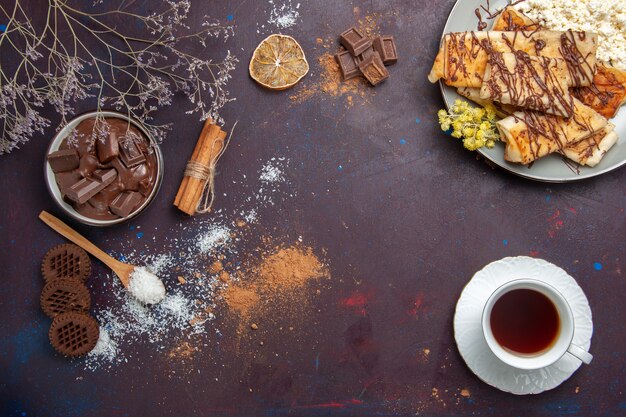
(347, 65)
(145, 186)
(386, 48)
(105, 175)
(63, 160)
(364, 55)
(354, 41)
(83, 190)
(125, 203)
(108, 148)
(130, 154)
(374, 70)
(66, 179)
(86, 188)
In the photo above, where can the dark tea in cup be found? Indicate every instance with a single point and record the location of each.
(525, 321)
(528, 324)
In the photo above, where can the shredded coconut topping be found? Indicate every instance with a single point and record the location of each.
(146, 286)
(284, 15)
(216, 236)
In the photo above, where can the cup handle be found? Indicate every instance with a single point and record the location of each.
(580, 353)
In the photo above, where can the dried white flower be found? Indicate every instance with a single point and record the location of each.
(82, 57)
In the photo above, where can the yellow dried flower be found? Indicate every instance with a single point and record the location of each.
(475, 125)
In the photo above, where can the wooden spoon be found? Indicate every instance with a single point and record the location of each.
(120, 269)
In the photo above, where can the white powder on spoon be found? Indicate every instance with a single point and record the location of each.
(145, 286)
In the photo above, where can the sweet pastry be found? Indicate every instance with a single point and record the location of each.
(529, 135)
(529, 82)
(607, 93)
(591, 150)
(463, 56)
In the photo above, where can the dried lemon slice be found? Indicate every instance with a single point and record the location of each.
(278, 62)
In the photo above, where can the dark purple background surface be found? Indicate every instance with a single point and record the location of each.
(406, 217)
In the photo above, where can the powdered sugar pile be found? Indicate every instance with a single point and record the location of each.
(284, 15)
(271, 171)
(105, 349)
(272, 178)
(216, 236)
(146, 286)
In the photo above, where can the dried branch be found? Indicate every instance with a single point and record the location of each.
(119, 58)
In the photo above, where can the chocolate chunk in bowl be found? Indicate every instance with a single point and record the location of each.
(117, 157)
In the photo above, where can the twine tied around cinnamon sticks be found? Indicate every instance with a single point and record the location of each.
(196, 193)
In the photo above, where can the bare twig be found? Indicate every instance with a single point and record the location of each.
(76, 54)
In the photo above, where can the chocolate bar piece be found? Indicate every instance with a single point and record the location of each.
(386, 48)
(83, 190)
(125, 203)
(374, 70)
(354, 41)
(63, 160)
(108, 148)
(145, 186)
(86, 188)
(130, 154)
(347, 65)
(366, 54)
(66, 179)
(105, 176)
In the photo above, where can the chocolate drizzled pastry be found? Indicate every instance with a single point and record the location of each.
(66, 261)
(63, 295)
(513, 20)
(74, 334)
(607, 93)
(122, 161)
(529, 134)
(463, 56)
(529, 82)
(588, 151)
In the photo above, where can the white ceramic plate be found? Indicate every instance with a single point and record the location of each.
(471, 342)
(551, 168)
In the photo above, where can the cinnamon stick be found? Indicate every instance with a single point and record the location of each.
(215, 150)
(194, 157)
(209, 147)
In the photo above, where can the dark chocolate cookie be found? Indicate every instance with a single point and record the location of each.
(66, 261)
(74, 334)
(63, 295)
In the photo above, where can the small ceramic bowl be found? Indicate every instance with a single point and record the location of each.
(55, 192)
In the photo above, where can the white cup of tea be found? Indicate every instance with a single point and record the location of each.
(528, 324)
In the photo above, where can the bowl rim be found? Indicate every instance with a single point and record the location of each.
(53, 187)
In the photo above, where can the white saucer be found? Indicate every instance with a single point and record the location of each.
(471, 342)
